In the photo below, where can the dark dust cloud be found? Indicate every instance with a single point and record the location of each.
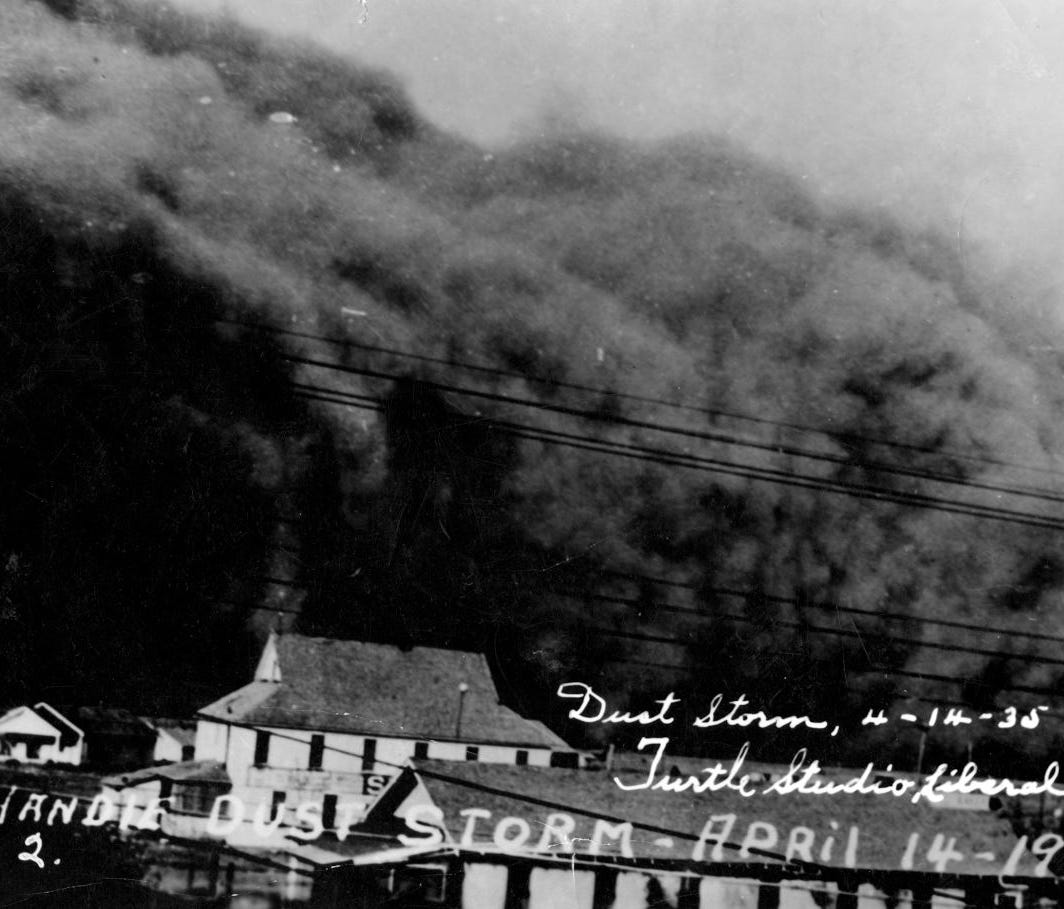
(162, 471)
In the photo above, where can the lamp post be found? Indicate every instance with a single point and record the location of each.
(462, 689)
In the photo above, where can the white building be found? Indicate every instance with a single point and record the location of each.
(175, 740)
(39, 734)
(327, 723)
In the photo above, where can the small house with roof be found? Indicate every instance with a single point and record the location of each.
(102, 737)
(40, 734)
(175, 739)
(114, 737)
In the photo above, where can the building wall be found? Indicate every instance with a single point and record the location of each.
(140, 795)
(184, 813)
(211, 741)
(343, 752)
(290, 749)
(167, 748)
(343, 772)
(71, 755)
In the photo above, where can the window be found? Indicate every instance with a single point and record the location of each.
(262, 749)
(369, 755)
(188, 752)
(421, 750)
(198, 799)
(521, 758)
(472, 752)
(277, 805)
(328, 812)
(317, 751)
(425, 883)
(568, 759)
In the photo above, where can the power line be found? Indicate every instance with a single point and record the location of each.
(712, 465)
(531, 799)
(375, 404)
(568, 808)
(331, 396)
(221, 848)
(857, 634)
(791, 479)
(841, 632)
(669, 458)
(813, 604)
(873, 670)
(506, 425)
(451, 362)
(933, 677)
(831, 607)
(688, 611)
(762, 472)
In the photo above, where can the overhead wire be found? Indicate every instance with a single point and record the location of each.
(369, 402)
(671, 458)
(455, 363)
(935, 677)
(341, 398)
(667, 457)
(839, 632)
(817, 868)
(832, 607)
(522, 797)
(221, 847)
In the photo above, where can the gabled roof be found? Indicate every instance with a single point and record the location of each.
(181, 731)
(884, 823)
(109, 721)
(69, 734)
(202, 772)
(377, 690)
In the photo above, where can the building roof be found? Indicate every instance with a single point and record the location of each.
(377, 690)
(69, 734)
(202, 772)
(115, 721)
(884, 823)
(180, 730)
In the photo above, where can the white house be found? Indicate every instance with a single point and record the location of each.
(175, 740)
(327, 723)
(39, 734)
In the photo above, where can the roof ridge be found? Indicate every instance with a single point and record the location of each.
(380, 644)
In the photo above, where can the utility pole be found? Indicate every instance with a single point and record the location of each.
(462, 689)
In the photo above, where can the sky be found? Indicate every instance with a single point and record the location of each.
(948, 113)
